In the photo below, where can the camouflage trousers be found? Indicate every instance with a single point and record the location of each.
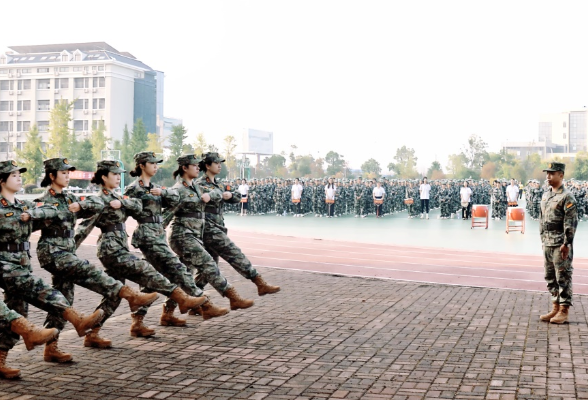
(199, 262)
(158, 254)
(218, 244)
(21, 288)
(7, 337)
(123, 265)
(558, 275)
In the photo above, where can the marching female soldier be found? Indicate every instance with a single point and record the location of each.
(57, 254)
(16, 279)
(216, 241)
(187, 232)
(149, 236)
(113, 250)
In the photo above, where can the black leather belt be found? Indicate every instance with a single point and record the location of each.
(553, 227)
(113, 228)
(196, 214)
(58, 233)
(151, 220)
(15, 247)
(213, 210)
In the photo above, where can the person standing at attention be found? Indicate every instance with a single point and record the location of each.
(424, 191)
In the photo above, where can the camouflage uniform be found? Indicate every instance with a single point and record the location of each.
(149, 236)
(558, 223)
(57, 249)
(113, 247)
(188, 230)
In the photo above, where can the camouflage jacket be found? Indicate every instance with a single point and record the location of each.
(153, 206)
(62, 220)
(558, 218)
(212, 218)
(190, 202)
(109, 242)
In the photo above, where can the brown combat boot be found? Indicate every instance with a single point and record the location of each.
(168, 318)
(185, 302)
(5, 371)
(32, 335)
(53, 354)
(195, 311)
(138, 329)
(82, 323)
(263, 287)
(93, 339)
(551, 314)
(237, 301)
(209, 310)
(136, 299)
(561, 316)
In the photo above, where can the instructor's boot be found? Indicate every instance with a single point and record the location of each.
(5, 371)
(82, 323)
(138, 329)
(136, 299)
(93, 339)
(195, 311)
(209, 310)
(263, 287)
(185, 302)
(53, 354)
(32, 335)
(561, 316)
(168, 318)
(547, 317)
(237, 301)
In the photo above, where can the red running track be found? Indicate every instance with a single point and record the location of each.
(415, 264)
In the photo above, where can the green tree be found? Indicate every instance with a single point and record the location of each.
(581, 166)
(229, 146)
(176, 140)
(335, 163)
(457, 166)
(371, 166)
(32, 156)
(154, 144)
(435, 166)
(83, 160)
(126, 151)
(274, 164)
(475, 152)
(200, 147)
(139, 138)
(61, 137)
(405, 165)
(99, 140)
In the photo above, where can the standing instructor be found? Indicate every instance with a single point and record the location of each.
(558, 220)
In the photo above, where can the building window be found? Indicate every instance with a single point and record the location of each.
(564, 124)
(81, 104)
(58, 101)
(23, 105)
(6, 85)
(61, 83)
(64, 57)
(44, 84)
(25, 84)
(564, 134)
(78, 57)
(99, 82)
(43, 126)
(20, 145)
(4, 147)
(23, 126)
(43, 105)
(98, 104)
(2, 60)
(96, 124)
(6, 106)
(3, 71)
(63, 69)
(42, 70)
(81, 83)
(77, 69)
(80, 125)
(6, 126)
(27, 71)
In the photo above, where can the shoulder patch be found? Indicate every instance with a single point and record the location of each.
(185, 184)
(10, 214)
(105, 191)
(191, 195)
(570, 205)
(52, 192)
(56, 204)
(25, 208)
(4, 202)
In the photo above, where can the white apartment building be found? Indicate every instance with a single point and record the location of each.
(105, 84)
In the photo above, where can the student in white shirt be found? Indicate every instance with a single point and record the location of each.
(244, 190)
(330, 190)
(424, 190)
(378, 194)
(296, 197)
(512, 192)
(465, 194)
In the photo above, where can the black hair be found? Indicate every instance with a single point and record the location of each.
(4, 177)
(202, 165)
(98, 175)
(137, 171)
(47, 179)
(178, 172)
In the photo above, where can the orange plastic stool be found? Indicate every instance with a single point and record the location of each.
(516, 215)
(479, 211)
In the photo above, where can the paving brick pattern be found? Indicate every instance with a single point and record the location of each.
(326, 337)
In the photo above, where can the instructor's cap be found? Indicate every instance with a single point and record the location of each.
(58, 164)
(9, 166)
(212, 157)
(189, 159)
(110, 166)
(145, 157)
(555, 166)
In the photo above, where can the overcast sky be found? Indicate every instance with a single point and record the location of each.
(358, 77)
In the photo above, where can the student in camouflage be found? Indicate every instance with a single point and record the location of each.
(114, 253)
(216, 241)
(186, 237)
(57, 253)
(20, 286)
(558, 221)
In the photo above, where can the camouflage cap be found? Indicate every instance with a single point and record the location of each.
(110, 166)
(212, 157)
(145, 157)
(555, 166)
(58, 164)
(9, 166)
(189, 159)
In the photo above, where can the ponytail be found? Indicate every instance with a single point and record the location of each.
(137, 171)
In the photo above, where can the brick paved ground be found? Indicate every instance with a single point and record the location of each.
(324, 337)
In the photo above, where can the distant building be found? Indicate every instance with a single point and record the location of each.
(168, 123)
(107, 85)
